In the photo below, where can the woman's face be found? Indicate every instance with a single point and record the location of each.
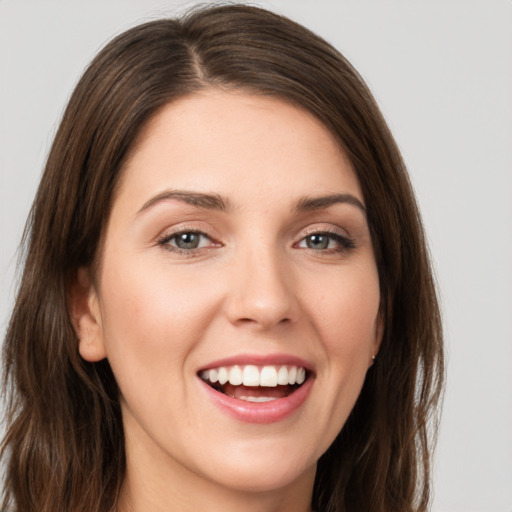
(237, 259)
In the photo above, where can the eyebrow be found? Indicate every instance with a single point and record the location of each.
(320, 202)
(199, 199)
(217, 202)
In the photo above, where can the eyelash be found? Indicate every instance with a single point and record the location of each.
(165, 240)
(345, 243)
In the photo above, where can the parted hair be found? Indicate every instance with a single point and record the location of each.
(64, 444)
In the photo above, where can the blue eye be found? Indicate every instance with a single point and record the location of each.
(326, 241)
(186, 241)
(318, 242)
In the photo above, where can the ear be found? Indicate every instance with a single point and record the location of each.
(86, 317)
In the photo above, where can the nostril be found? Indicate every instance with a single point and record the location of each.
(263, 322)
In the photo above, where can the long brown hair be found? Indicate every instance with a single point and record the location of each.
(64, 446)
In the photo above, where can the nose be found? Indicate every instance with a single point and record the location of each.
(262, 291)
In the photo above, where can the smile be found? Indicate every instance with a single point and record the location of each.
(255, 383)
(258, 388)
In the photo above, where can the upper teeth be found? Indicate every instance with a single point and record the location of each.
(251, 375)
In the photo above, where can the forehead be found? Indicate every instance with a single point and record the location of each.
(234, 142)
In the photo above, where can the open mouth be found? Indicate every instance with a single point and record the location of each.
(256, 383)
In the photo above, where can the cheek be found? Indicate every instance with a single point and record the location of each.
(346, 320)
(152, 318)
(346, 311)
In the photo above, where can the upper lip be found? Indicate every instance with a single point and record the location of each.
(259, 360)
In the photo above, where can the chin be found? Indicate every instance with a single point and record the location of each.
(263, 477)
(260, 465)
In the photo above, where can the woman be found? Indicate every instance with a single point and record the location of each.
(227, 301)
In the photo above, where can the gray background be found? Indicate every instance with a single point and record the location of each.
(442, 73)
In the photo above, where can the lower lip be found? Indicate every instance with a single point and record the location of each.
(262, 412)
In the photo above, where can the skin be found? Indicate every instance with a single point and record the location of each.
(255, 285)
